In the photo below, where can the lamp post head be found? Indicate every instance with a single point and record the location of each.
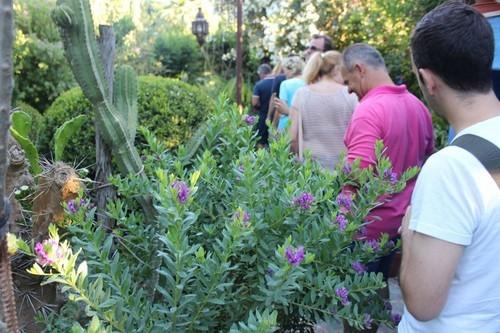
(199, 27)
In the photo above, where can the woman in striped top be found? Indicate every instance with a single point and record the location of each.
(321, 110)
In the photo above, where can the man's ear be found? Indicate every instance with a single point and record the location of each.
(428, 79)
(360, 69)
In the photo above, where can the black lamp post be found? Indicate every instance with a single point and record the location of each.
(199, 27)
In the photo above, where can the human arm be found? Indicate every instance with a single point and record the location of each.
(256, 98)
(281, 106)
(427, 269)
(294, 131)
(255, 103)
(282, 102)
(446, 206)
(294, 118)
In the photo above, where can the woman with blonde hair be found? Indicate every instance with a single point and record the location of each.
(321, 110)
(292, 67)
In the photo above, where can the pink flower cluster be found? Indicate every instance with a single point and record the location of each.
(48, 252)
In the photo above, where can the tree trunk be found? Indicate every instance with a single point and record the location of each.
(104, 191)
(6, 79)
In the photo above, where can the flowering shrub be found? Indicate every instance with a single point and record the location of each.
(244, 240)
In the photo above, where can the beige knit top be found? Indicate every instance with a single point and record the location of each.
(325, 116)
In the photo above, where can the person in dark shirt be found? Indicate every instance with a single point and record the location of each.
(260, 101)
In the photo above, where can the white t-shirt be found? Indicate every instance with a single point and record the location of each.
(456, 200)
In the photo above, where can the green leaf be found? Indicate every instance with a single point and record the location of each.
(30, 151)
(21, 122)
(64, 133)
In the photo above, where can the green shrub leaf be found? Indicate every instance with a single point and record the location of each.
(63, 134)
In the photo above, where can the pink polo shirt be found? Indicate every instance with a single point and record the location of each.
(401, 120)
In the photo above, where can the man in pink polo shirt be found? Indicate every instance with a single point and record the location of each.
(390, 113)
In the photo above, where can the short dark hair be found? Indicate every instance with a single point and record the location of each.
(264, 69)
(327, 41)
(455, 41)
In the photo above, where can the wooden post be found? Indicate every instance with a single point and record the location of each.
(6, 79)
(239, 52)
(104, 191)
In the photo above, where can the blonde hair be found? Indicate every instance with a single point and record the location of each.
(321, 64)
(294, 64)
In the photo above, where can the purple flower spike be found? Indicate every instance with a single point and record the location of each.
(388, 305)
(367, 321)
(343, 294)
(245, 219)
(270, 271)
(249, 119)
(182, 191)
(346, 169)
(396, 318)
(304, 201)
(48, 252)
(391, 175)
(345, 202)
(294, 256)
(374, 244)
(341, 221)
(358, 267)
(72, 207)
(393, 178)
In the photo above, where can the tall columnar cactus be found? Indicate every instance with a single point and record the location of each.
(116, 116)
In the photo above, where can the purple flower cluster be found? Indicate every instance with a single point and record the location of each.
(388, 305)
(294, 256)
(361, 232)
(374, 244)
(244, 219)
(391, 175)
(249, 119)
(346, 169)
(343, 294)
(341, 221)
(304, 201)
(182, 191)
(74, 206)
(358, 267)
(270, 271)
(396, 318)
(48, 252)
(345, 202)
(367, 321)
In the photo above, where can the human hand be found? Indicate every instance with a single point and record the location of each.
(281, 106)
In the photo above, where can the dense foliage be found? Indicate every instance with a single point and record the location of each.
(240, 235)
(178, 54)
(41, 72)
(170, 108)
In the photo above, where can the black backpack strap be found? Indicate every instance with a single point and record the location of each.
(486, 152)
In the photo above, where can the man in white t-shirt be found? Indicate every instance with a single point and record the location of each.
(450, 272)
